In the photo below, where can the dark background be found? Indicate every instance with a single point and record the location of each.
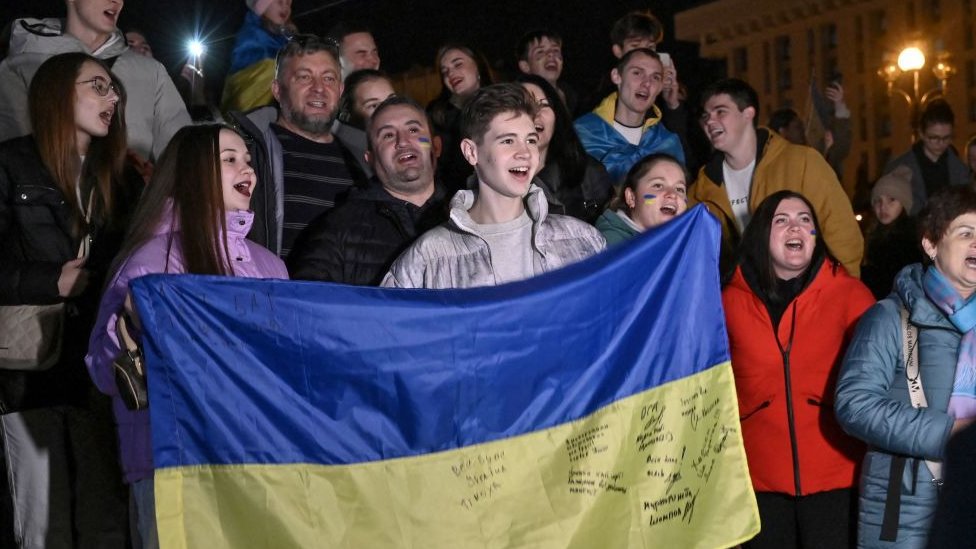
(407, 32)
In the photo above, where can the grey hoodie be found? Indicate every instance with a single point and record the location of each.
(153, 111)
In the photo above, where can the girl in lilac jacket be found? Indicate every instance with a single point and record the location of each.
(193, 218)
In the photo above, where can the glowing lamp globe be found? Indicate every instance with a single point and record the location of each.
(911, 59)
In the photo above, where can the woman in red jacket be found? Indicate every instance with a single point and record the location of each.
(791, 310)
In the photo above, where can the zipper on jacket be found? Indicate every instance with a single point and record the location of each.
(785, 353)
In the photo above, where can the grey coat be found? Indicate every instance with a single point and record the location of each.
(454, 255)
(873, 405)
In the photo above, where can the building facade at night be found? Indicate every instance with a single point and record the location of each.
(781, 46)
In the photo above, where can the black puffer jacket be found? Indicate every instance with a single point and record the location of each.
(358, 241)
(36, 239)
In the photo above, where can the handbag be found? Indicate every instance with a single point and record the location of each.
(30, 335)
(130, 370)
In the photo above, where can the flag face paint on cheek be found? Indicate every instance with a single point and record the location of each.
(424, 142)
(650, 199)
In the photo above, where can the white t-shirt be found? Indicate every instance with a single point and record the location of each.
(510, 245)
(631, 134)
(738, 183)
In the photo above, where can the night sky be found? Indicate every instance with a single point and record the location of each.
(407, 32)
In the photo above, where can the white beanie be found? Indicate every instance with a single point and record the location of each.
(897, 184)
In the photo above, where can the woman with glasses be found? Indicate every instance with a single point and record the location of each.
(63, 202)
(574, 182)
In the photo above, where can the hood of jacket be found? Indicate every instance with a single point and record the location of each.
(924, 313)
(766, 140)
(607, 110)
(47, 36)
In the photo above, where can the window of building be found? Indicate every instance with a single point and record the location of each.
(828, 36)
(859, 44)
(784, 69)
(883, 157)
(879, 23)
(740, 61)
(767, 69)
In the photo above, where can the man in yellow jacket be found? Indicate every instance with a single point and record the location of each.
(752, 163)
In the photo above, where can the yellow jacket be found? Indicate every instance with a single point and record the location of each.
(781, 165)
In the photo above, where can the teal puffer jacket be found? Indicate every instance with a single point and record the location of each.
(873, 404)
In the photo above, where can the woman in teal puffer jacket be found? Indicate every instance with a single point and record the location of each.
(873, 400)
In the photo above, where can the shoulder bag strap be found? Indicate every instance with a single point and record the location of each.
(909, 346)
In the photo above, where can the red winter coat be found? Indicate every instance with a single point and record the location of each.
(826, 312)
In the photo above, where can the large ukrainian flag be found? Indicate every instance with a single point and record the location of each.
(589, 407)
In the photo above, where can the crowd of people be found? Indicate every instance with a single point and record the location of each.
(315, 168)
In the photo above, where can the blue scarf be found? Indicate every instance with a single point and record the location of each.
(962, 314)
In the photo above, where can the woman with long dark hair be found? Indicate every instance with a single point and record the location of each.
(463, 72)
(193, 219)
(574, 182)
(791, 310)
(64, 200)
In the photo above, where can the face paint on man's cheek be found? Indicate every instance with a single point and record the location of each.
(424, 142)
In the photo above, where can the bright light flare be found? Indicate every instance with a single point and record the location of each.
(195, 47)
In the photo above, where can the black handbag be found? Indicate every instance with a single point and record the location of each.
(130, 370)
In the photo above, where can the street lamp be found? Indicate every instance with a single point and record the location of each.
(912, 59)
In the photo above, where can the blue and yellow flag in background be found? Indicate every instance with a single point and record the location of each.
(589, 407)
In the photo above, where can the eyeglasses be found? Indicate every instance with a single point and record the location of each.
(102, 86)
(938, 138)
(305, 44)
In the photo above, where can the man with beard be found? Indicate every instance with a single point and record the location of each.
(357, 242)
(302, 169)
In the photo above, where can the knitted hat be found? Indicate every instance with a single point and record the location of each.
(897, 184)
(259, 6)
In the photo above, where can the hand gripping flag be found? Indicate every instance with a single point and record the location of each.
(589, 407)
